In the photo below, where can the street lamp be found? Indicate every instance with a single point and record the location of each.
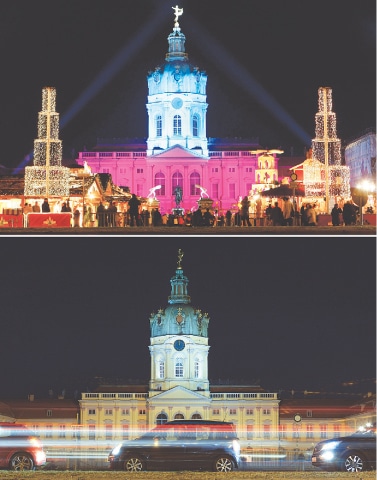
(364, 187)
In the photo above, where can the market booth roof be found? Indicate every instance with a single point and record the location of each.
(284, 191)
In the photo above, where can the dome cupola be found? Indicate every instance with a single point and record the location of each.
(179, 317)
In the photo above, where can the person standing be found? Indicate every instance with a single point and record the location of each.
(112, 213)
(36, 207)
(276, 215)
(335, 215)
(303, 212)
(311, 215)
(134, 205)
(288, 212)
(347, 213)
(76, 217)
(100, 215)
(245, 205)
(45, 206)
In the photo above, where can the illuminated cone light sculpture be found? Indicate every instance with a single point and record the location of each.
(47, 178)
(323, 174)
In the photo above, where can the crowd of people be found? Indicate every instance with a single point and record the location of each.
(283, 213)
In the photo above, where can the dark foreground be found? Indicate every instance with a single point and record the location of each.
(355, 230)
(255, 475)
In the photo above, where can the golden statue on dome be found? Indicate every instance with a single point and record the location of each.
(180, 256)
(178, 12)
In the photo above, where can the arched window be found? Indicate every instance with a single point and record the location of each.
(179, 416)
(159, 179)
(196, 369)
(194, 180)
(179, 368)
(195, 126)
(161, 418)
(158, 126)
(196, 416)
(161, 369)
(177, 180)
(177, 125)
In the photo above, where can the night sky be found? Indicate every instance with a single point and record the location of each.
(283, 50)
(285, 312)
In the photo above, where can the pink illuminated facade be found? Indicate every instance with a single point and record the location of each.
(177, 151)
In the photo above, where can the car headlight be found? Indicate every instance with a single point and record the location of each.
(329, 445)
(116, 450)
(236, 447)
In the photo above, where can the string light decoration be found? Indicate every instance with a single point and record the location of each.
(314, 178)
(47, 177)
(324, 176)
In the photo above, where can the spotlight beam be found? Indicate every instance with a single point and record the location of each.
(244, 79)
(108, 72)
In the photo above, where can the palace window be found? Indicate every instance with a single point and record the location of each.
(109, 432)
(232, 411)
(249, 169)
(177, 180)
(266, 431)
(49, 413)
(161, 418)
(309, 431)
(91, 411)
(215, 170)
(125, 432)
(161, 369)
(195, 126)
(179, 367)
(194, 180)
(108, 411)
(61, 431)
(323, 429)
(158, 126)
(283, 431)
(139, 190)
(249, 411)
(216, 411)
(125, 411)
(48, 431)
(177, 125)
(142, 411)
(266, 411)
(249, 432)
(159, 179)
(196, 369)
(179, 416)
(196, 416)
(231, 169)
(215, 190)
(92, 432)
(139, 170)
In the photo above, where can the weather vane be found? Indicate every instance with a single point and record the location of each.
(180, 256)
(178, 12)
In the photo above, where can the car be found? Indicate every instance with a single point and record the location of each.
(353, 453)
(20, 449)
(180, 445)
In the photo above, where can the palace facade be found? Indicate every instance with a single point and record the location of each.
(177, 152)
(80, 433)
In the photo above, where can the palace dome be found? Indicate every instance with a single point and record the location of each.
(179, 317)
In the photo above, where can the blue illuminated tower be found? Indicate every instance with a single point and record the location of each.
(177, 100)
